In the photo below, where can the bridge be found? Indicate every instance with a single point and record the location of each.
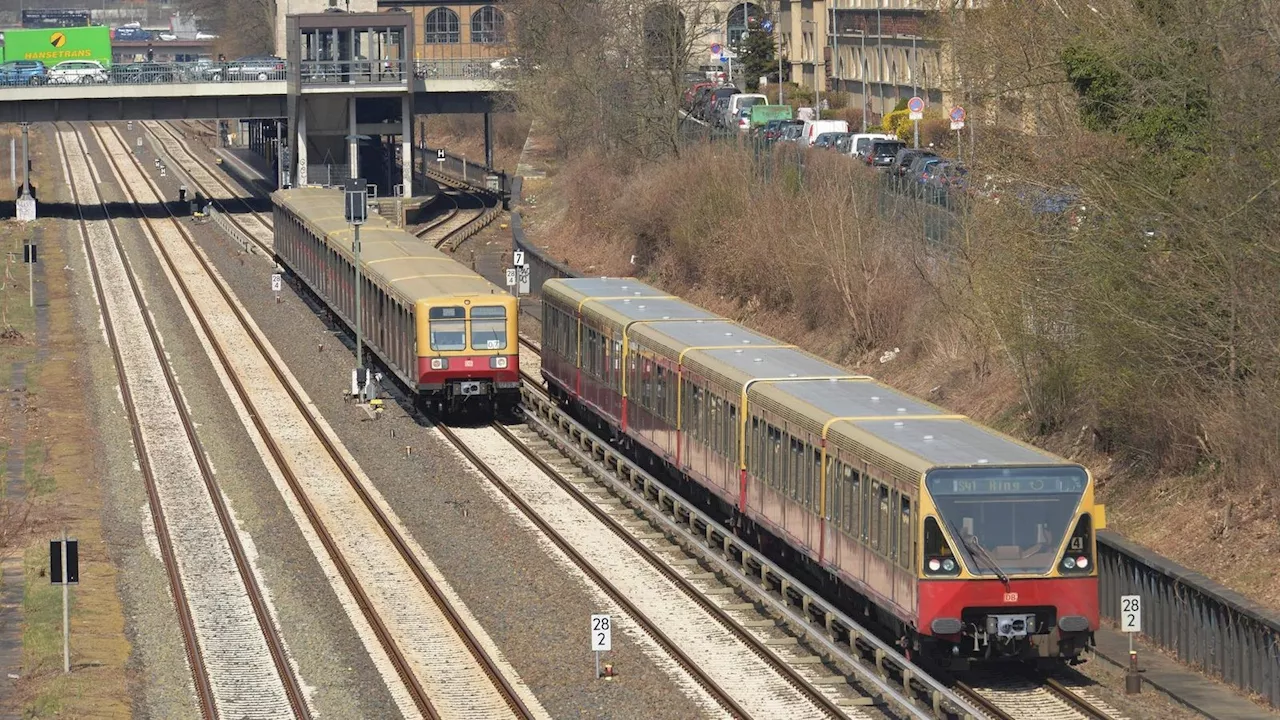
(225, 91)
(343, 99)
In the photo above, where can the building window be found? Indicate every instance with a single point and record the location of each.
(441, 27)
(488, 25)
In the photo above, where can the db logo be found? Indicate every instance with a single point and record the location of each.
(1011, 597)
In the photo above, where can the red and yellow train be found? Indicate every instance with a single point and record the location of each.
(447, 334)
(967, 543)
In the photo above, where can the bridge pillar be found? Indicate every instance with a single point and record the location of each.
(406, 146)
(300, 145)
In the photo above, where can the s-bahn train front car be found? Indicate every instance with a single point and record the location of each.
(1009, 565)
(468, 356)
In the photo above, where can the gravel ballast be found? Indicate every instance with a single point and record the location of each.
(537, 613)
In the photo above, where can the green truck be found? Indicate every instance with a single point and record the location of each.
(53, 45)
(762, 114)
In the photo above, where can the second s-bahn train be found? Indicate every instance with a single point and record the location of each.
(968, 544)
(449, 335)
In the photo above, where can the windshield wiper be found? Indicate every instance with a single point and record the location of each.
(975, 546)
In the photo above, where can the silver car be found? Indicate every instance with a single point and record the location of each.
(77, 71)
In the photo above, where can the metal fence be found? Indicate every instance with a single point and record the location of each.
(329, 174)
(353, 72)
(470, 68)
(474, 174)
(1204, 624)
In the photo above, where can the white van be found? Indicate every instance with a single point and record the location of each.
(740, 101)
(814, 128)
(861, 143)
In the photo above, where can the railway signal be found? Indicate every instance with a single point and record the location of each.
(356, 210)
(64, 570)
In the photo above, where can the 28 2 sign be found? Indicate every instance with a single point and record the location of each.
(1131, 613)
(601, 633)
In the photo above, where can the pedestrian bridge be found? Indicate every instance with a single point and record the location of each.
(204, 90)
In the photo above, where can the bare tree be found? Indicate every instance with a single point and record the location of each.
(244, 27)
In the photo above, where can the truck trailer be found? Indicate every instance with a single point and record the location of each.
(53, 45)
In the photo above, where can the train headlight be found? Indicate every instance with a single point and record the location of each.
(498, 361)
(1082, 562)
(934, 564)
(949, 565)
(1069, 563)
(439, 364)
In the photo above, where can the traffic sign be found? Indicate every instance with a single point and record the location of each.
(601, 633)
(916, 108)
(511, 277)
(715, 48)
(957, 125)
(767, 26)
(275, 282)
(517, 257)
(1131, 613)
(440, 155)
(724, 58)
(957, 114)
(356, 209)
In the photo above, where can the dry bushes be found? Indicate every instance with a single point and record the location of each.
(765, 236)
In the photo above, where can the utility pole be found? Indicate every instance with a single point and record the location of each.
(356, 210)
(879, 57)
(866, 98)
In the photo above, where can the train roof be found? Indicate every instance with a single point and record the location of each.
(577, 290)
(403, 262)
(944, 441)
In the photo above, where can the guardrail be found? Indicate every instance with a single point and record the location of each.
(471, 173)
(1204, 624)
(473, 68)
(353, 72)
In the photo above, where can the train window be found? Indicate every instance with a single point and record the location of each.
(488, 327)
(733, 432)
(448, 329)
(891, 528)
(815, 479)
(853, 481)
(713, 423)
(884, 524)
(835, 493)
(904, 531)
(874, 516)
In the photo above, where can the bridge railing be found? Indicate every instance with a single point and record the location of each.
(453, 68)
(353, 72)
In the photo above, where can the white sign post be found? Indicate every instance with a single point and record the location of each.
(275, 285)
(1130, 624)
(601, 637)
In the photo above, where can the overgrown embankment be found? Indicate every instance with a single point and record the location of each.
(994, 322)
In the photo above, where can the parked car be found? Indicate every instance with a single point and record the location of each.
(902, 161)
(828, 140)
(692, 93)
(77, 71)
(814, 128)
(741, 101)
(143, 72)
(254, 67)
(718, 110)
(882, 152)
(23, 72)
(743, 122)
(774, 129)
(793, 133)
(861, 142)
(723, 92)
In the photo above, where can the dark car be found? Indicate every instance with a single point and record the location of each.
(882, 152)
(902, 161)
(23, 72)
(722, 92)
(828, 140)
(143, 72)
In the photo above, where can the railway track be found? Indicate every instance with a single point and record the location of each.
(1027, 698)
(458, 223)
(405, 615)
(232, 202)
(225, 622)
(1036, 698)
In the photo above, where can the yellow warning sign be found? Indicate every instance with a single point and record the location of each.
(58, 40)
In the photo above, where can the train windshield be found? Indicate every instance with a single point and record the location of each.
(1008, 520)
(448, 328)
(488, 328)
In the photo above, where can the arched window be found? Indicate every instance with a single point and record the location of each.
(442, 27)
(488, 25)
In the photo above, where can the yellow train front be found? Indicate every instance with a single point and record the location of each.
(468, 353)
(448, 336)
